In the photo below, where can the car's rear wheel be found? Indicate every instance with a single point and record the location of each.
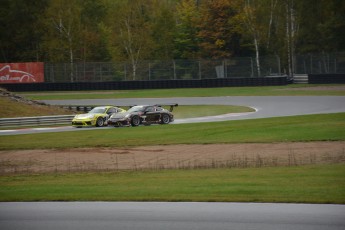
(165, 119)
(135, 121)
(99, 122)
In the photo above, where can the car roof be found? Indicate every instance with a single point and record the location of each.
(146, 105)
(105, 107)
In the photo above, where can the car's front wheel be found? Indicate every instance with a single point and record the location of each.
(135, 121)
(99, 122)
(165, 119)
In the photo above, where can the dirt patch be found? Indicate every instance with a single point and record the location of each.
(171, 157)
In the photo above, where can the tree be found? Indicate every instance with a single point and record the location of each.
(291, 33)
(64, 31)
(321, 27)
(251, 21)
(128, 32)
(20, 37)
(255, 20)
(186, 40)
(218, 39)
(162, 20)
(93, 43)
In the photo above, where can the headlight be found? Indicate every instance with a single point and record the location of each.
(127, 116)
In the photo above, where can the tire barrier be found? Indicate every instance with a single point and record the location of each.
(78, 108)
(326, 78)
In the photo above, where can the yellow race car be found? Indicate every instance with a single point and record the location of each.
(98, 116)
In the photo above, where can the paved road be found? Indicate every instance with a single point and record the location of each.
(267, 106)
(170, 216)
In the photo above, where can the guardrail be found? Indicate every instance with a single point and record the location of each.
(83, 108)
(32, 121)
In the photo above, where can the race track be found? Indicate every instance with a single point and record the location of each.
(170, 216)
(265, 106)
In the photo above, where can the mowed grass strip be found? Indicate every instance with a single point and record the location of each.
(322, 127)
(10, 108)
(298, 184)
(287, 90)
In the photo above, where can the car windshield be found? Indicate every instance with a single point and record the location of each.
(135, 109)
(97, 110)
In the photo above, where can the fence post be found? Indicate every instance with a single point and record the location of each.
(100, 71)
(278, 60)
(304, 66)
(52, 73)
(252, 66)
(225, 69)
(174, 64)
(125, 71)
(65, 68)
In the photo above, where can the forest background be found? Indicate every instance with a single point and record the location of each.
(73, 31)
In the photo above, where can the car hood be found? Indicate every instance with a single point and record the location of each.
(87, 115)
(119, 115)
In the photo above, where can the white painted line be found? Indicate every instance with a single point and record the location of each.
(7, 131)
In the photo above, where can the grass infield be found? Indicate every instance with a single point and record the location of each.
(298, 184)
(287, 90)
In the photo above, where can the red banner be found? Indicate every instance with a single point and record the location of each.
(28, 72)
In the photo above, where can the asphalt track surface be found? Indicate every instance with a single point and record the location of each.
(170, 216)
(265, 106)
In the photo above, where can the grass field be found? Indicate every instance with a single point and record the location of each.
(303, 184)
(288, 90)
(17, 109)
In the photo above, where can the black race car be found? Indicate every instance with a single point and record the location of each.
(143, 114)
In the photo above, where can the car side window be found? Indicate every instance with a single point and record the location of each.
(150, 109)
(111, 110)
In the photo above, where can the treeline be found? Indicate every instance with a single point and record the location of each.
(133, 30)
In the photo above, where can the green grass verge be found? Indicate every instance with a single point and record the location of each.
(302, 184)
(288, 90)
(10, 108)
(323, 127)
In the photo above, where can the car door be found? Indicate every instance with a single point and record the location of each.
(151, 114)
(111, 111)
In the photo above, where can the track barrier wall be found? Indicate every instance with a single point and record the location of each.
(152, 84)
(326, 78)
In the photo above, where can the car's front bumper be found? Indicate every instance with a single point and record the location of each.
(83, 122)
(118, 122)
